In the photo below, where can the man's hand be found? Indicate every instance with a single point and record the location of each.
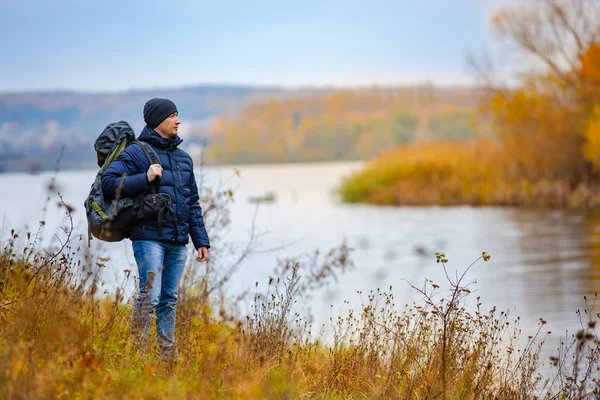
(202, 254)
(154, 171)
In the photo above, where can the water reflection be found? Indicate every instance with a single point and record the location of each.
(560, 251)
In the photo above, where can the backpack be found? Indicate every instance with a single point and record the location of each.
(110, 220)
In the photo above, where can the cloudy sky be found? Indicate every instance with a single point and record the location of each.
(113, 45)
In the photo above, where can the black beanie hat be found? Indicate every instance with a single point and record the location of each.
(157, 110)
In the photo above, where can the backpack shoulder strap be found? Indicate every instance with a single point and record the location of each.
(153, 158)
(149, 151)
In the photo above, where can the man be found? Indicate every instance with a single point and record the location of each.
(160, 257)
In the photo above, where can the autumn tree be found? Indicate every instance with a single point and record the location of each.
(546, 123)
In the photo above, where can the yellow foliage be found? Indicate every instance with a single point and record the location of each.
(591, 148)
(541, 135)
(590, 64)
(499, 18)
(343, 125)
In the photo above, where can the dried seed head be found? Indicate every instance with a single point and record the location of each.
(592, 324)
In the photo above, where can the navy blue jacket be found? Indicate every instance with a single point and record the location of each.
(129, 170)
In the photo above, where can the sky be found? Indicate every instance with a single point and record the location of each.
(117, 45)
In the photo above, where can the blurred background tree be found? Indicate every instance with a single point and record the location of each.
(537, 133)
(543, 122)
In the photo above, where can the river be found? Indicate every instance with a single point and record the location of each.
(542, 261)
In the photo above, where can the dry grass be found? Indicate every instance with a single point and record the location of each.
(60, 339)
(474, 173)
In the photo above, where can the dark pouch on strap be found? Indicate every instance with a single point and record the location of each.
(154, 205)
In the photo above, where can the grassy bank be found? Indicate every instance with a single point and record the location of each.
(471, 173)
(61, 337)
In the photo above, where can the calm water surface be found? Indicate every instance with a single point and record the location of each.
(543, 262)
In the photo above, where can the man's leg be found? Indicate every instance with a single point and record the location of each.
(175, 257)
(149, 256)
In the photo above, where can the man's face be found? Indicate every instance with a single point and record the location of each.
(169, 127)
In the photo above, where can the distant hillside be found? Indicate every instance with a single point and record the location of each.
(35, 126)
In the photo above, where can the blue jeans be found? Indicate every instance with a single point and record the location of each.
(160, 267)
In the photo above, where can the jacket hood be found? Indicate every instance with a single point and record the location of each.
(152, 137)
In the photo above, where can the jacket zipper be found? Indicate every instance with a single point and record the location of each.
(179, 173)
(175, 191)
